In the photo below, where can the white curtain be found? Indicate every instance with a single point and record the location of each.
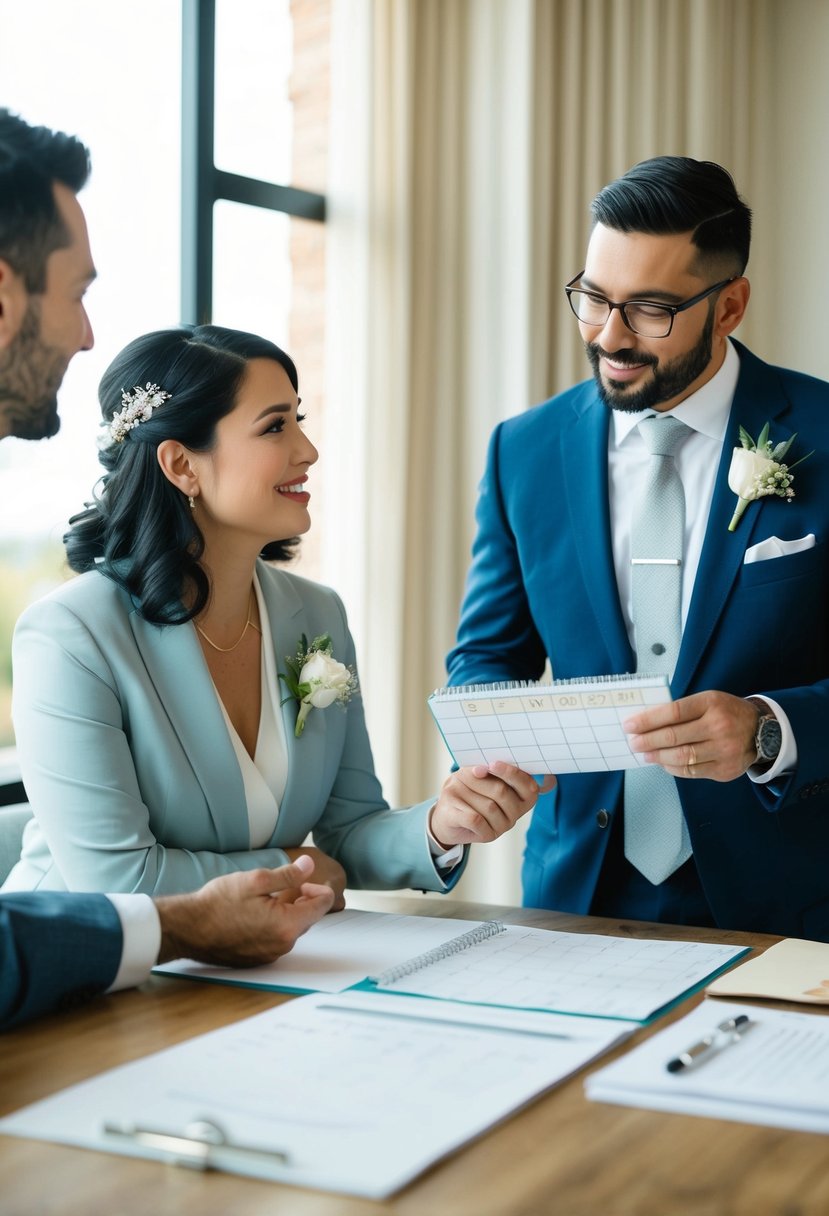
(468, 137)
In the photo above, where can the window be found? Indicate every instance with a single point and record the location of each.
(114, 77)
(91, 68)
(256, 85)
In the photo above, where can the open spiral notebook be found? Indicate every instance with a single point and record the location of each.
(512, 966)
(568, 726)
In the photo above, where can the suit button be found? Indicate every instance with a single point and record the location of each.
(602, 818)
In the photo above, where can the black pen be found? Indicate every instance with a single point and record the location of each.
(709, 1043)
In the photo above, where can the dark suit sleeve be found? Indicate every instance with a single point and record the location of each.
(56, 950)
(497, 638)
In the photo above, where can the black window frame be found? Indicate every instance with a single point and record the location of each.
(202, 183)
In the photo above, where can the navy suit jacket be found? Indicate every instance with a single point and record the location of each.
(56, 950)
(542, 583)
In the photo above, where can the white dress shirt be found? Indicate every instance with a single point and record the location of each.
(706, 413)
(141, 942)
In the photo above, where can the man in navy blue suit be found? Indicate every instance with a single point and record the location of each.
(744, 739)
(59, 948)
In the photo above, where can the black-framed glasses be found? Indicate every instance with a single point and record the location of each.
(646, 318)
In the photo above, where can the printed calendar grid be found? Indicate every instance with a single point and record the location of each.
(565, 728)
(580, 973)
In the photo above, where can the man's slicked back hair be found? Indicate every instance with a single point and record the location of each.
(674, 194)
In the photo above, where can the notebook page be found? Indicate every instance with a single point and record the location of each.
(338, 952)
(587, 973)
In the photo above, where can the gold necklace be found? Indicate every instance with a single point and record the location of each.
(227, 649)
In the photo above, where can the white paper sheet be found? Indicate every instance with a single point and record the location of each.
(776, 1073)
(355, 1088)
(338, 952)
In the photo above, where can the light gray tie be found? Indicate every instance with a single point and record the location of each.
(656, 837)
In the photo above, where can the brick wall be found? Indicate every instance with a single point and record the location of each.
(310, 95)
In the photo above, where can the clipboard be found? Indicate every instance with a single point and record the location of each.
(347, 1093)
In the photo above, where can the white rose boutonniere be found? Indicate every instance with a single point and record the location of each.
(757, 470)
(315, 679)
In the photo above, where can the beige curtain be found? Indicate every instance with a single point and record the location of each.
(618, 81)
(468, 137)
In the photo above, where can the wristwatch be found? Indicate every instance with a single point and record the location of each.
(768, 737)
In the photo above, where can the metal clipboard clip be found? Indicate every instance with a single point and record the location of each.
(202, 1146)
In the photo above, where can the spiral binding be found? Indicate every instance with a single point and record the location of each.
(626, 677)
(487, 929)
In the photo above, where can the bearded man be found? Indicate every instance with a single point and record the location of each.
(607, 543)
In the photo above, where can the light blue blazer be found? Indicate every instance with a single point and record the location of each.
(131, 773)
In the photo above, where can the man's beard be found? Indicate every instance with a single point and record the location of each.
(31, 373)
(667, 382)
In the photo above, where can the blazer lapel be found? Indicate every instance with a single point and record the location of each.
(584, 468)
(304, 757)
(759, 399)
(177, 670)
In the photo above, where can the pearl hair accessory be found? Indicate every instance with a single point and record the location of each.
(138, 406)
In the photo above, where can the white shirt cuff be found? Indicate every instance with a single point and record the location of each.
(142, 939)
(787, 757)
(444, 859)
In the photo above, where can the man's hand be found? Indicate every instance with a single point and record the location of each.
(479, 804)
(245, 919)
(710, 734)
(326, 870)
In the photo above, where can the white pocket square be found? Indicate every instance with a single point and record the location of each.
(774, 547)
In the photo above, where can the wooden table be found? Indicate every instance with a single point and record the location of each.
(562, 1155)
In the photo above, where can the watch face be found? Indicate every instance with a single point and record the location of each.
(769, 739)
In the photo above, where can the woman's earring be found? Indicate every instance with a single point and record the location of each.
(192, 502)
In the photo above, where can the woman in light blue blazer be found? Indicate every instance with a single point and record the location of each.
(184, 709)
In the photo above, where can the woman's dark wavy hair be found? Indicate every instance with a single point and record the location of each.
(139, 530)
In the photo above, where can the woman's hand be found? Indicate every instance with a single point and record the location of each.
(479, 804)
(326, 870)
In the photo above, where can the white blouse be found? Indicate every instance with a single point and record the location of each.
(266, 775)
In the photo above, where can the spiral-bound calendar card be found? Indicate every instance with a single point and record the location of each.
(569, 726)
